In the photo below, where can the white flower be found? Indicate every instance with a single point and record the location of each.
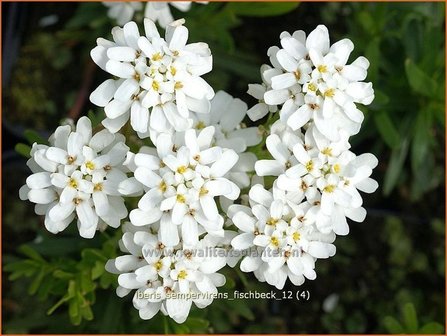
(257, 91)
(78, 177)
(285, 247)
(283, 158)
(180, 186)
(122, 12)
(159, 83)
(166, 280)
(160, 12)
(226, 116)
(327, 176)
(331, 87)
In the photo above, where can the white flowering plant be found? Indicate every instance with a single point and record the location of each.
(192, 181)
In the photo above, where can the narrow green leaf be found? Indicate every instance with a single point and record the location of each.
(419, 81)
(392, 325)
(410, 318)
(59, 274)
(36, 282)
(31, 253)
(98, 270)
(32, 136)
(73, 308)
(372, 53)
(432, 328)
(197, 324)
(240, 307)
(394, 170)
(64, 299)
(421, 141)
(261, 9)
(23, 150)
(387, 129)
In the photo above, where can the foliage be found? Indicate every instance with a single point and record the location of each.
(405, 46)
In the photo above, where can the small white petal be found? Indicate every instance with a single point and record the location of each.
(224, 164)
(119, 69)
(140, 218)
(103, 93)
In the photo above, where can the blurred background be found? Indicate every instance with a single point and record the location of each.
(388, 275)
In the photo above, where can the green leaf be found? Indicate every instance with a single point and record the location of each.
(240, 307)
(419, 81)
(86, 13)
(392, 325)
(98, 270)
(23, 150)
(367, 21)
(421, 141)
(36, 282)
(261, 9)
(395, 166)
(372, 52)
(32, 136)
(64, 299)
(59, 274)
(410, 318)
(432, 328)
(196, 324)
(387, 129)
(181, 329)
(31, 253)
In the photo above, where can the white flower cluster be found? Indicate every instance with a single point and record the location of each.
(157, 11)
(181, 232)
(159, 85)
(77, 176)
(167, 279)
(318, 178)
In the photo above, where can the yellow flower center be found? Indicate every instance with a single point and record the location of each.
(274, 241)
(310, 166)
(178, 85)
(203, 191)
(329, 188)
(181, 198)
(182, 275)
(97, 187)
(90, 165)
(158, 265)
(173, 71)
(322, 68)
(336, 168)
(296, 236)
(156, 57)
(200, 125)
(155, 85)
(181, 169)
(272, 221)
(73, 183)
(329, 93)
(312, 87)
(327, 151)
(162, 186)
